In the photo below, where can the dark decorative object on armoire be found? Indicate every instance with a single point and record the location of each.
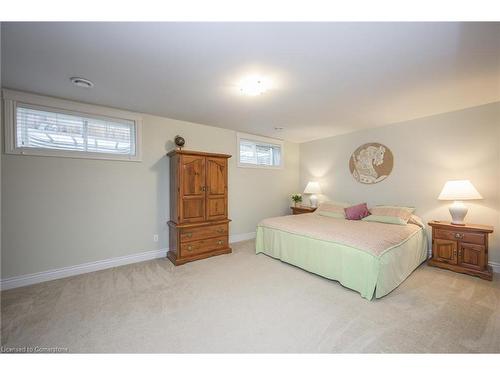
(179, 141)
(198, 226)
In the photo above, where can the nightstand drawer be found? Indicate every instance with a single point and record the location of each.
(456, 235)
(297, 210)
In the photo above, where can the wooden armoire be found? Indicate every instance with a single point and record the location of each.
(198, 226)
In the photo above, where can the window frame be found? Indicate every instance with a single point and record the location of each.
(263, 140)
(11, 100)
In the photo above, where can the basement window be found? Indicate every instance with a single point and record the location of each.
(259, 152)
(43, 126)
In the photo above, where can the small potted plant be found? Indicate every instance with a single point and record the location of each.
(296, 198)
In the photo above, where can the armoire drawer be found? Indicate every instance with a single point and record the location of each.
(202, 246)
(204, 232)
(474, 238)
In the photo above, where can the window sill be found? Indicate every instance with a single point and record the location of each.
(70, 154)
(253, 166)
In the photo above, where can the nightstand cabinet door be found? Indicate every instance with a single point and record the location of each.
(471, 256)
(445, 251)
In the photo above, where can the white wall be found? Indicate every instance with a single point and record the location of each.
(457, 145)
(60, 212)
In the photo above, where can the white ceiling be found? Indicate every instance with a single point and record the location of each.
(329, 78)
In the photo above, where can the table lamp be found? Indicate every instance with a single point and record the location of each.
(313, 188)
(458, 191)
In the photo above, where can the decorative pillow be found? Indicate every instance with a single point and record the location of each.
(356, 212)
(332, 209)
(390, 214)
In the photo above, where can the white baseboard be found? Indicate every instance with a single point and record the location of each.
(495, 266)
(241, 237)
(39, 277)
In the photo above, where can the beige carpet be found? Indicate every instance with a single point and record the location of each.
(250, 303)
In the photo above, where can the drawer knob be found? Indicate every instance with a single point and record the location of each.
(190, 248)
(459, 235)
(220, 230)
(220, 242)
(189, 234)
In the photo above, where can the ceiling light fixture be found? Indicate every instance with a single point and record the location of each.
(254, 85)
(81, 82)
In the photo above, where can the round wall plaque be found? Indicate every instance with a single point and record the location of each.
(371, 163)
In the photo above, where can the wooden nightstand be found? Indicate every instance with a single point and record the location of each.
(302, 210)
(461, 248)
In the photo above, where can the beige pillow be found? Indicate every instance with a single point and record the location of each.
(332, 209)
(390, 214)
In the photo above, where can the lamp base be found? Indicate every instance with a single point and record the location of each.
(313, 199)
(458, 210)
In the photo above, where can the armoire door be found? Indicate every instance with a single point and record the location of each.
(216, 188)
(192, 188)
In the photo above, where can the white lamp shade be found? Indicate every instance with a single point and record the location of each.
(459, 190)
(312, 188)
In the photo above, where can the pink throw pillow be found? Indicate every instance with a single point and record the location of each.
(356, 212)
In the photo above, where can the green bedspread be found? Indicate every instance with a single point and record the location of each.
(356, 269)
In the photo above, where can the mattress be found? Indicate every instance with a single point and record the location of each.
(371, 258)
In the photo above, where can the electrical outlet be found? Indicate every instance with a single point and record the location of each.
(155, 237)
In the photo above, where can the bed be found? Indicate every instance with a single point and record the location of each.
(371, 258)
